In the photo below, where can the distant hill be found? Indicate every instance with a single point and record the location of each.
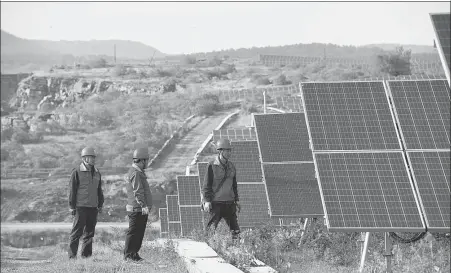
(416, 49)
(19, 52)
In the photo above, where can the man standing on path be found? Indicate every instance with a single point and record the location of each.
(139, 203)
(85, 202)
(220, 190)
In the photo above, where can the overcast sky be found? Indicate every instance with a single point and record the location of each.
(186, 27)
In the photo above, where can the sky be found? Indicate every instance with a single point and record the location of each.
(186, 27)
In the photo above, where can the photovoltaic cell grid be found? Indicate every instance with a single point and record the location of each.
(291, 103)
(175, 229)
(423, 111)
(442, 29)
(349, 116)
(163, 220)
(368, 191)
(235, 134)
(432, 176)
(254, 205)
(172, 202)
(293, 190)
(191, 219)
(283, 137)
(246, 158)
(188, 190)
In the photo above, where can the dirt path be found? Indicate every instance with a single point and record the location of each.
(180, 154)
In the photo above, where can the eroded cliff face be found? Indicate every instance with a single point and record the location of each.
(33, 92)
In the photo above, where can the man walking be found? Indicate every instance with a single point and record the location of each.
(220, 190)
(139, 203)
(85, 202)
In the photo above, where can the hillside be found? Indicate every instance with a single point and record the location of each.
(25, 55)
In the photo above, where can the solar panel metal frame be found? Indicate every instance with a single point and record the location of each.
(369, 229)
(420, 194)
(177, 207)
(184, 223)
(260, 145)
(183, 185)
(267, 191)
(164, 227)
(445, 64)
(312, 144)
(253, 184)
(245, 179)
(396, 114)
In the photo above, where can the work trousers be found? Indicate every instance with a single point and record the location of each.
(85, 221)
(136, 227)
(226, 210)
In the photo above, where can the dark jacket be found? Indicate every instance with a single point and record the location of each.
(138, 190)
(85, 188)
(215, 173)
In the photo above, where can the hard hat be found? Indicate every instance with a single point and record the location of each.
(223, 143)
(88, 151)
(141, 153)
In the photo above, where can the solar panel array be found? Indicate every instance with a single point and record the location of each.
(404, 77)
(368, 191)
(192, 218)
(236, 94)
(365, 182)
(293, 190)
(246, 159)
(235, 134)
(441, 24)
(431, 173)
(282, 137)
(293, 104)
(423, 112)
(349, 116)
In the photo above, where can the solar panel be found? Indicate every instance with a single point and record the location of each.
(367, 191)
(441, 24)
(254, 205)
(163, 213)
(188, 190)
(349, 116)
(245, 157)
(235, 134)
(175, 229)
(291, 103)
(172, 202)
(191, 219)
(292, 190)
(283, 137)
(431, 174)
(423, 112)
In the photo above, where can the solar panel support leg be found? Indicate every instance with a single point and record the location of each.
(305, 227)
(388, 251)
(366, 239)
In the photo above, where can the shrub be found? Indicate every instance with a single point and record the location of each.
(262, 81)
(394, 63)
(97, 63)
(281, 80)
(118, 70)
(188, 60)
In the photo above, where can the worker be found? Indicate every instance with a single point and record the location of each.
(85, 202)
(220, 189)
(139, 203)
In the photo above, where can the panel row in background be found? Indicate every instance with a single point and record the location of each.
(273, 91)
(362, 133)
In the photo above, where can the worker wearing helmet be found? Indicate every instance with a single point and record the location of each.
(139, 203)
(85, 202)
(220, 190)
